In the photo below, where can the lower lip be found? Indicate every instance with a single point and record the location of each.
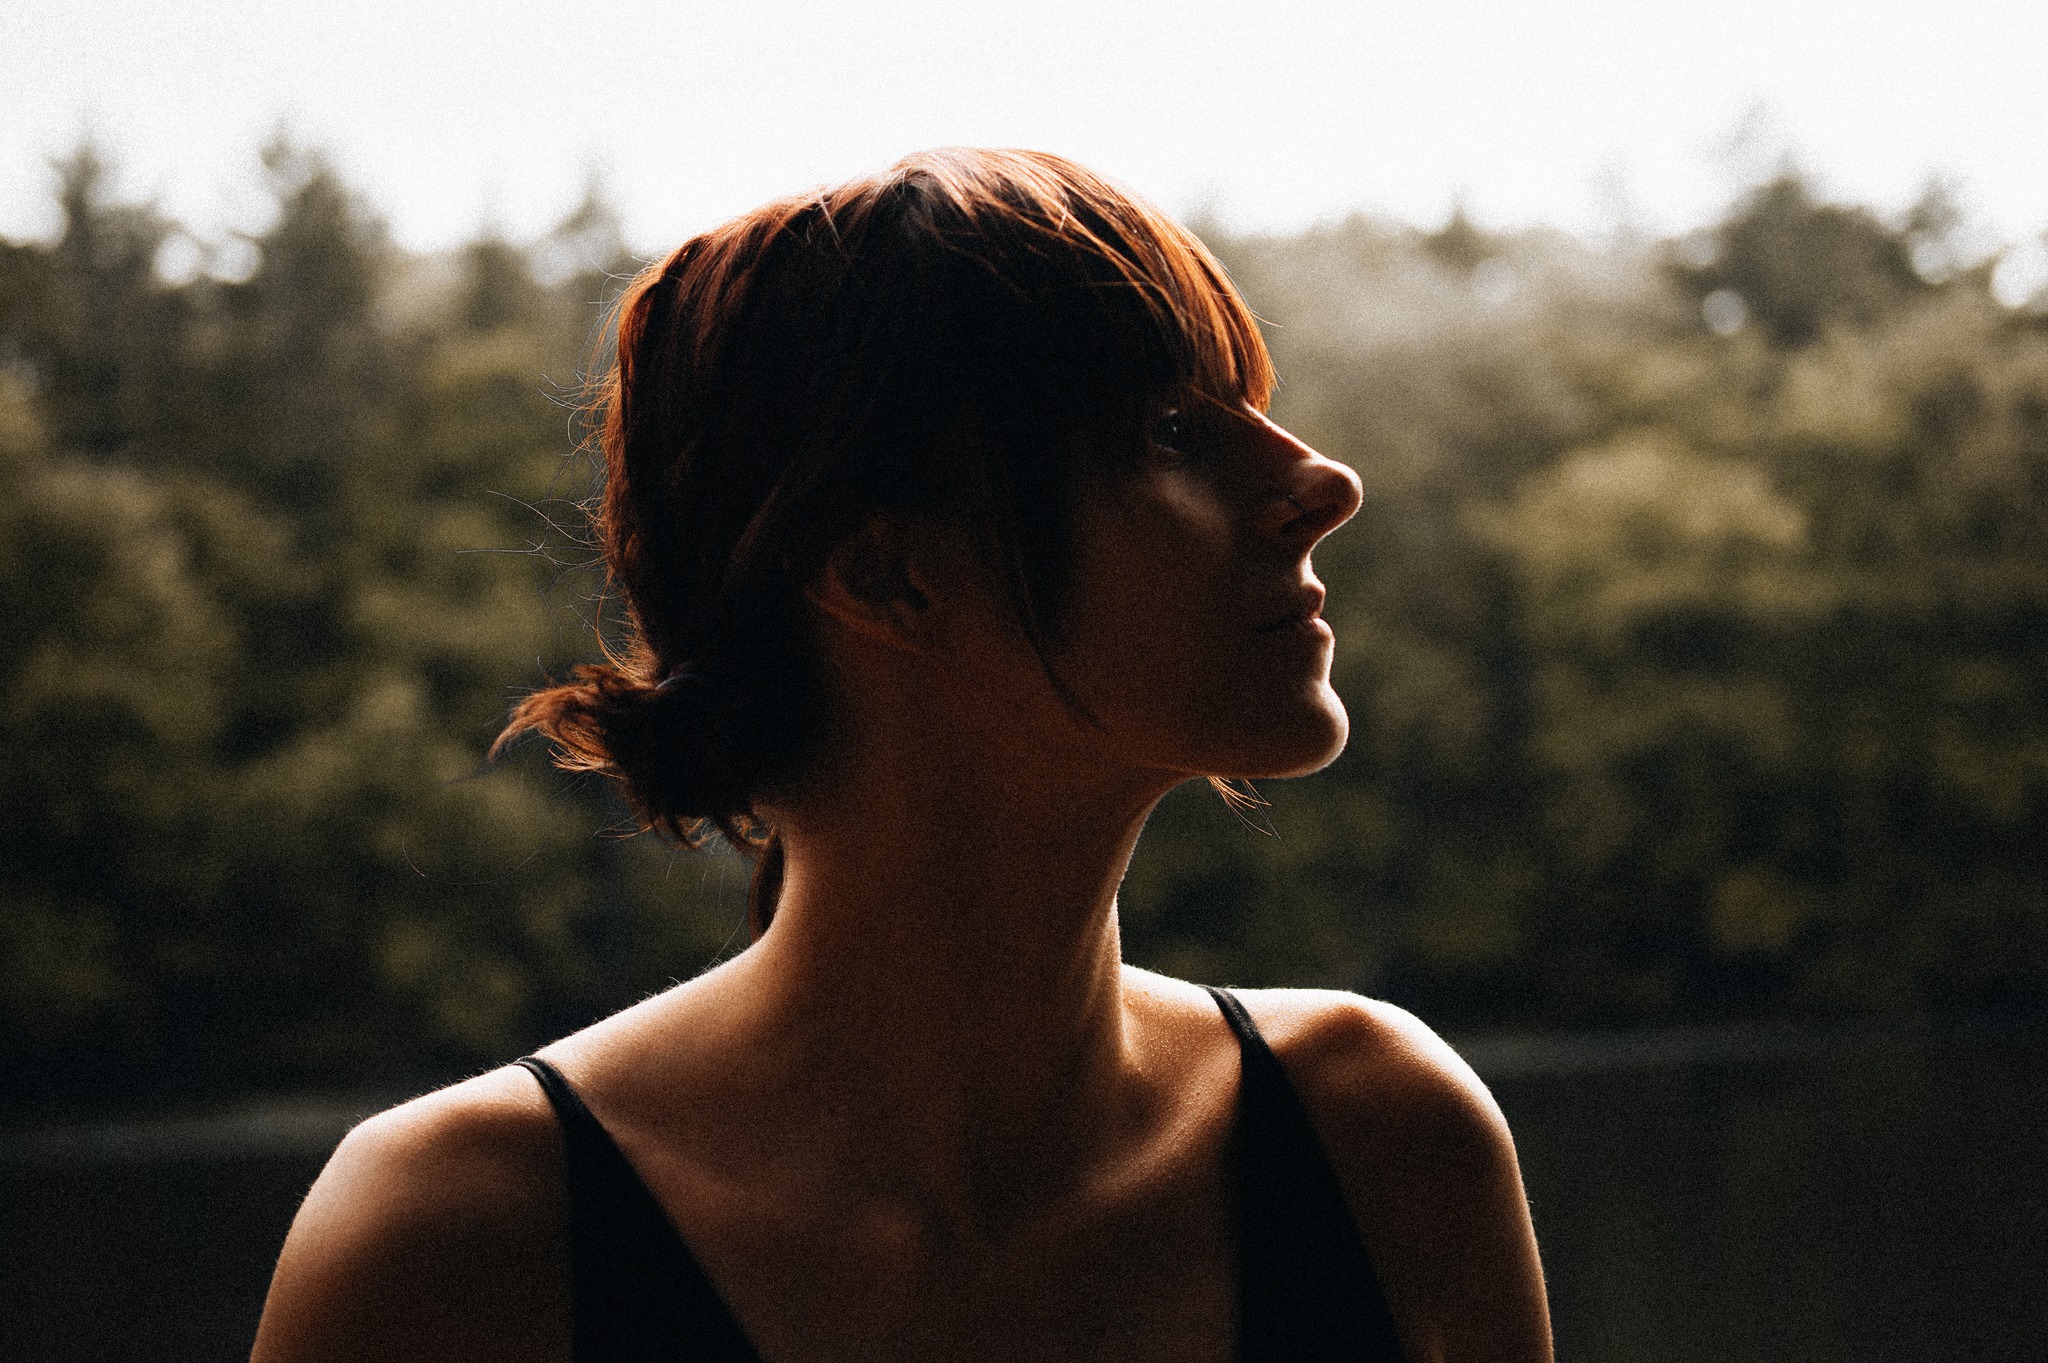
(1306, 627)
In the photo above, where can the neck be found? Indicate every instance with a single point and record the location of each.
(944, 966)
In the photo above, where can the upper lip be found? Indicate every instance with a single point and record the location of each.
(1307, 605)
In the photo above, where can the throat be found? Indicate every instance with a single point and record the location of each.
(950, 1004)
(977, 1089)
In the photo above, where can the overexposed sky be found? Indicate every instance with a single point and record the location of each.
(1272, 113)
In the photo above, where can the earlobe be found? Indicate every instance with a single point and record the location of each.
(869, 586)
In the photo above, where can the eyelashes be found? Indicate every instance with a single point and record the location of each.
(1169, 433)
(1191, 429)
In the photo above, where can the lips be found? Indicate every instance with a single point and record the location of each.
(1305, 612)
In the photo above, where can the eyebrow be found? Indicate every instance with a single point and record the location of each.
(1240, 411)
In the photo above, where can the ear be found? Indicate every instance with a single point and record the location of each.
(871, 586)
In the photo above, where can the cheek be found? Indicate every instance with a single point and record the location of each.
(1168, 552)
(1160, 647)
(1149, 614)
(1182, 684)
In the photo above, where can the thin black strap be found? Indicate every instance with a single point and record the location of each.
(637, 1293)
(1307, 1291)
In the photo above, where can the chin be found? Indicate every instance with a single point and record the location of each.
(1308, 742)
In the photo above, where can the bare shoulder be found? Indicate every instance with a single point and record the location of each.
(1428, 1166)
(1368, 1066)
(436, 1231)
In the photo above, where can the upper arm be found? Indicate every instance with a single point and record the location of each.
(436, 1231)
(1429, 1169)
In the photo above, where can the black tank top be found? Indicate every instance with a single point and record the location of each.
(1307, 1292)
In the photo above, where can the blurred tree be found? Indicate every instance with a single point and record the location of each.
(498, 291)
(112, 663)
(107, 341)
(1671, 659)
(1923, 457)
(1800, 266)
(268, 552)
(1459, 243)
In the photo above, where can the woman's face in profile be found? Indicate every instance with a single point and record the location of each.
(1193, 630)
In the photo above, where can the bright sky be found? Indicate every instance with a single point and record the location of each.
(1273, 113)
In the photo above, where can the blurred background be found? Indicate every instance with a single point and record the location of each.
(1695, 628)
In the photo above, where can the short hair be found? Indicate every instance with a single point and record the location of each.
(939, 337)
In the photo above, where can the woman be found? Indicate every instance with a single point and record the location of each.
(953, 537)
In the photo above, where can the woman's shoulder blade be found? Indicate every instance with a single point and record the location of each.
(436, 1231)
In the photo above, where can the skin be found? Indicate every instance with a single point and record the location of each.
(931, 1114)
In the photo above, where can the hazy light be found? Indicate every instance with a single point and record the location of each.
(1933, 260)
(1698, 250)
(554, 259)
(1724, 312)
(2021, 278)
(1586, 114)
(180, 259)
(1494, 282)
(233, 260)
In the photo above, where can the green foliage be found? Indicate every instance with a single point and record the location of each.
(1801, 267)
(270, 575)
(1692, 674)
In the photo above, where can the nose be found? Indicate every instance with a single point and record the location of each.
(1312, 494)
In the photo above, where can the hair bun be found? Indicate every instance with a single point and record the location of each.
(678, 747)
(673, 744)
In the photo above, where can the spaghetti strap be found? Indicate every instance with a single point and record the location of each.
(582, 1134)
(1307, 1290)
(637, 1293)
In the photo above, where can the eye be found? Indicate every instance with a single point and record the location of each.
(1169, 432)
